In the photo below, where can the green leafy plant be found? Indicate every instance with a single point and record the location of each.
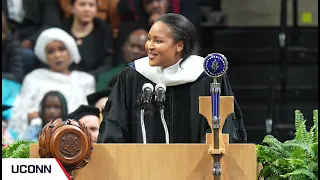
(18, 149)
(295, 159)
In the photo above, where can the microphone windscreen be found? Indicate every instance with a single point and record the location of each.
(161, 86)
(147, 85)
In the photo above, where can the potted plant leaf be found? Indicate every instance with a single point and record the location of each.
(18, 149)
(293, 159)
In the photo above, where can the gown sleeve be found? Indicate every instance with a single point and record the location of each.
(234, 123)
(116, 117)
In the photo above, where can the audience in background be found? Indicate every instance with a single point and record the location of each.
(52, 106)
(58, 49)
(102, 8)
(152, 11)
(135, 10)
(130, 10)
(12, 64)
(7, 136)
(91, 117)
(106, 11)
(133, 49)
(26, 19)
(12, 67)
(99, 98)
(93, 37)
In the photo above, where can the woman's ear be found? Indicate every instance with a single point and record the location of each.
(180, 46)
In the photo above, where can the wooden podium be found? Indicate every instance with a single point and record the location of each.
(169, 161)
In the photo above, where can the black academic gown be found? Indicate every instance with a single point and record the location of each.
(121, 122)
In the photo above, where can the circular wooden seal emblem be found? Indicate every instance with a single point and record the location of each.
(69, 141)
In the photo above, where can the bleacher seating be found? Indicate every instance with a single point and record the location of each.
(254, 57)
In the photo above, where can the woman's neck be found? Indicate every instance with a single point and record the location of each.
(81, 30)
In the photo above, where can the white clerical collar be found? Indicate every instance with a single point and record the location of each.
(177, 74)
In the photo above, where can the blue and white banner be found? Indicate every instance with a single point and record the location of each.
(33, 169)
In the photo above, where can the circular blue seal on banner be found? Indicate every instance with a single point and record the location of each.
(215, 65)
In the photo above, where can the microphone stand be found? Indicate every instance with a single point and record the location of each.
(143, 128)
(147, 90)
(215, 65)
(165, 127)
(215, 101)
(160, 98)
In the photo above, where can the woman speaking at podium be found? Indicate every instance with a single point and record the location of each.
(173, 62)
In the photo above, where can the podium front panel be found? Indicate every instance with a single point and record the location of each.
(164, 162)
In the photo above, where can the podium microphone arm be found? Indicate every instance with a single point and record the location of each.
(143, 128)
(160, 97)
(215, 101)
(147, 90)
(165, 127)
(215, 65)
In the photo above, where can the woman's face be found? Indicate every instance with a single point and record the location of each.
(161, 47)
(58, 56)
(85, 10)
(52, 109)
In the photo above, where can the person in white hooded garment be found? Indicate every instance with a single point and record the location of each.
(58, 50)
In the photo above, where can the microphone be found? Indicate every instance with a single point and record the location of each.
(147, 90)
(160, 96)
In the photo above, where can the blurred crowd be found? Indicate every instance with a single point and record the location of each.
(61, 58)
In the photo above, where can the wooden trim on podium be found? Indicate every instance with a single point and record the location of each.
(226, 108)
(162, 161)
(237, 154)
(234, 156)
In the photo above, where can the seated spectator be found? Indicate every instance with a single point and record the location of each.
(133, 10)
(52, 107)
(136, 10)
(93, 37)
(133, 49)
(106, 10)
(27, 19)
(99, 98)
(91, 117)
(153, 10)
(7, 136)
(12, 67)
(102, 8)
(58, 49)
